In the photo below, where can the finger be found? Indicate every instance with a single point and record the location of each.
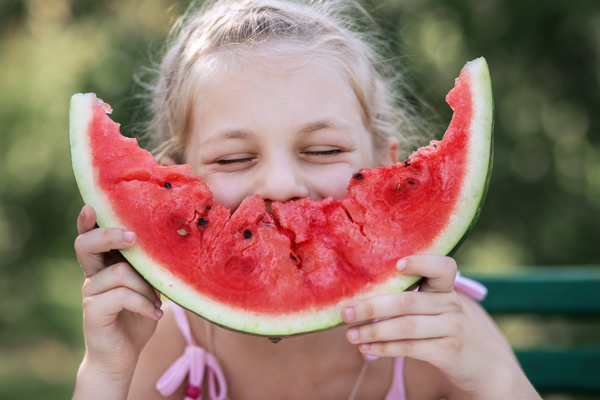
(421, 349)
(401, 328)
(105, 307)
(439, 271)
(86, 221)
(119, 275)
(395, 304)
(91, 246)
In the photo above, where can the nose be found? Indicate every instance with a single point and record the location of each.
(281, 180)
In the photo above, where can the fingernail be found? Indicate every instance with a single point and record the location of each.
(401, 265)
(364, 347)
(129, 236)
(82, 213)
(158, 303)
(349, 314)
(159, 313)
(353, 334)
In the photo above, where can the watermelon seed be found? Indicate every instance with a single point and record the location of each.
(202, 222)
(406, 163)
(398, 188)
(358, 176)
(411, 183)
(208, 207)
(247, 234)
(182, 232)
(168, 185)
(274, 340)
(294, 258)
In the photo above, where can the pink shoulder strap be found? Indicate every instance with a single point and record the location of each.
(474, 289)
(469, 286)
(397, 390)
(193, 363)
(196, 360)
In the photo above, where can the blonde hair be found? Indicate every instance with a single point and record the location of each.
(206, 41)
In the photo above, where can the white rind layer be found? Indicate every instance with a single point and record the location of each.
(163, 280)
(246, 321)
(80, 116)
(478, 160)
(81, 113)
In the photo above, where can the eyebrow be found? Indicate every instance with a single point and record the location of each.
(316, 126)
(228, 134)
(306, 129)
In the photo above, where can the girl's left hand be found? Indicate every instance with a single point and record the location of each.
(434, 325)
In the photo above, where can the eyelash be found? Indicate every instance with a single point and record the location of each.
(233, 161)
(323, 153)
(331, 152)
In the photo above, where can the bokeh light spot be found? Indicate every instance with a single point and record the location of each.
(15, 230)
(530, 159)
(52, 361)
(565, 119)
(28, 162)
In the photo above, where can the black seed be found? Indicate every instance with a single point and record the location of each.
(294, 258)
(208, 207)
(247, 234)
(358, 176)
(411, 183)
(202, 222)
(406, 163)
(168, 185)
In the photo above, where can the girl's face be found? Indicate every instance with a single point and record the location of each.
(282, 134)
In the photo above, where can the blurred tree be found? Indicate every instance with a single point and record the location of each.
(542, 208)
(50, 49)
(544, 200)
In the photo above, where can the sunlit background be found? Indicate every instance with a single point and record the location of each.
(543, 206)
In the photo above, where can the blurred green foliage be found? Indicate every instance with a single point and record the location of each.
(543, 206)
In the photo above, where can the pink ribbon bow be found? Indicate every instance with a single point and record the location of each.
(194, 361)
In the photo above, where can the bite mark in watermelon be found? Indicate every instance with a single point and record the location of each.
(291, 271)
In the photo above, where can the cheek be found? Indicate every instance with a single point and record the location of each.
(227, 191)
(332, 182)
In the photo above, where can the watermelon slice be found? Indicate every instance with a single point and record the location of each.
(289, 271)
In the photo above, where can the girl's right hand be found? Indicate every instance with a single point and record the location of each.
(120, 309)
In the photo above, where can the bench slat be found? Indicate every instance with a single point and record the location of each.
(551, 290)
(544, 290)
(575, 369)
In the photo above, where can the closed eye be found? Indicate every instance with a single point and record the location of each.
(229, 161)
(323, 152)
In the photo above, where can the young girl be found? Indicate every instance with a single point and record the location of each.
(282, 100)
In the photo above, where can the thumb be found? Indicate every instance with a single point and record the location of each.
(439, 271)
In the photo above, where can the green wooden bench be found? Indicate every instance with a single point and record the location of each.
(567, 291)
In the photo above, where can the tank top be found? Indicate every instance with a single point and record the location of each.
(196, 361)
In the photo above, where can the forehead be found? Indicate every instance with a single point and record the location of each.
(296, 89)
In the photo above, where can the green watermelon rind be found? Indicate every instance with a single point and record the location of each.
(479, 162)
(179, 291)
(257, 323)
(232, 317)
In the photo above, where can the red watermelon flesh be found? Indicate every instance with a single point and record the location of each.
(307, 257)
